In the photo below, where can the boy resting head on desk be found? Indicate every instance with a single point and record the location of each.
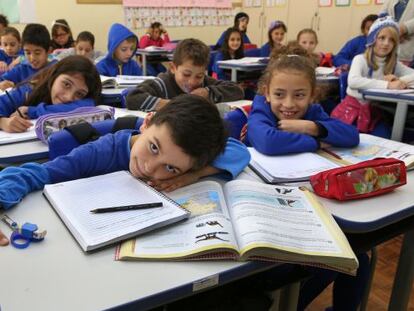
(186, 75)
(181, 143)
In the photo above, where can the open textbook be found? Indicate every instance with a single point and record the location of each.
(247, 220)
(73, 201)
(123, 81)
(299, 167)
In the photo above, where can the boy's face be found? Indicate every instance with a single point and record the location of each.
(36, 55)
(234, 41)
(124, 51)
(10, 44)
(308, 42)
(384, 42)
(154, 155)
(84, 48)
(188, 76)
(278, 35)
(289, 94)
(68, 88)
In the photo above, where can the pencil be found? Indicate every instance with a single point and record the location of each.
(332, 153)
(17, 109)
(126, 208)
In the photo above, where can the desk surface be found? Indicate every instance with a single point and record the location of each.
(23, 151)
(57, 274)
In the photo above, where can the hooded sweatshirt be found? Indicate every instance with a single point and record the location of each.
(111, 67)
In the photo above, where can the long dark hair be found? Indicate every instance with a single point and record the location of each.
(225, 49)
(43, 81)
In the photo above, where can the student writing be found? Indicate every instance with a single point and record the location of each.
(69, 84)
(181, 143)
(10, 47)
(377, 68)
(36, 44)
(122, 44)
(84, 45)
(186, 75)
(62, 37)
(284, 120)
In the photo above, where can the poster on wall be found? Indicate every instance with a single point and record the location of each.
(276, 3)
(379, 2)
(252, 3)
(18, 11)
(325, 3)
(362, 2)
(342, 2)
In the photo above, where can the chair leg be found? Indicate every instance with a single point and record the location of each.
(372, 265)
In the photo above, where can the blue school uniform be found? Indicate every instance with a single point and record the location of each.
(8, 59)
(108, 154)
(220, 41)
(221, 75)
(16, 98)
(352, 48)
(265, 50)
(111, 67)
(263, 133)
(22, 72)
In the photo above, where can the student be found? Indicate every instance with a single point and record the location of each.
(4, 22)
(241, 20)
(232, 48)
(283, 120)
(377, 68)
(73, 82)
(61, 35)
(122, 44)
(181, 143)
(36, 44)
(156, 36)
(308, 39)
(11, 47)
(84, 45)
(354, 46)
(276, 35)
(187, 74)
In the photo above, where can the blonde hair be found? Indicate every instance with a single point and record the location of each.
(390, 59)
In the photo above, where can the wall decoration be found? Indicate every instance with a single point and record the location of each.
(342, 2)
(325, 3)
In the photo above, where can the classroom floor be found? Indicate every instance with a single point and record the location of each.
(388, 254)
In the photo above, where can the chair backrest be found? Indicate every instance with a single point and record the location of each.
(211, 62)
(343, 84)
(236, 119)
(252, 52)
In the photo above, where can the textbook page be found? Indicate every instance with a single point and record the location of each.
(73, 201)
(208, 228)
(8, 138)
(288, 220)
(244, 60)
(371, 147)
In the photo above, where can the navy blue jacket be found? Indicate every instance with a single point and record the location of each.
(352, 48)
(111, 67)
(22, 72)
(263, 133)
(8, 59)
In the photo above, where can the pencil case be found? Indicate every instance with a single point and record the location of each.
(50, 123)
(362, 180)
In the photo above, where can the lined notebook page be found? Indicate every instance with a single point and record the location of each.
(73, 201)
(8, 138)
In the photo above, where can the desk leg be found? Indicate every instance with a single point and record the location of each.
(404, 276)
(144, 64)
(234, 74)
(399, 121)
(289, 297)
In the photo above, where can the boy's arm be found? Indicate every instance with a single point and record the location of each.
(147, 95)
(12, 75)
(36, 111)
(9, 103)
(223, 91)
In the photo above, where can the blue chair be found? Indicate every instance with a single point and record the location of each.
(211, 62)
(252, 52)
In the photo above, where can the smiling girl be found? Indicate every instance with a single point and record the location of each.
(69, 84)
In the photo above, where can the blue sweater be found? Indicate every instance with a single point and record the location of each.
(221, 39)
(108, 154)
(22, 72)
(221, 74)
(265, 50)
(263, 133)
(352, 48)
(17, 97)
(111, 67)
(8, 59)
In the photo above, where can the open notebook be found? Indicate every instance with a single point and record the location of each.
(123, 81)
(9, 138)
(73, 201)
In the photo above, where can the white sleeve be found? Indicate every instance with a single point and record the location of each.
(358, 76)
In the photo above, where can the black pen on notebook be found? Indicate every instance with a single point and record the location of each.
(13, 102)
(126, 208)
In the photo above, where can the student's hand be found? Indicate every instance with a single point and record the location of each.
(390, 77)
(6, 84)
(397, 85)
(14, 63)
(299, 126)
(162, 103)
(24, 110)
(3, 66)
(201, 91)
(14, 124)
(3, 239)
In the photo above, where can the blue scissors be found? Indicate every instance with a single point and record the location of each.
(22, 236)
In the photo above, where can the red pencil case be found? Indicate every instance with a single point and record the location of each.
(362, 180)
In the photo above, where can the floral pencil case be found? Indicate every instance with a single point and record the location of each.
(50, 123)
(362, 180)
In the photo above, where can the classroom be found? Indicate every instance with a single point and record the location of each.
(207, 155)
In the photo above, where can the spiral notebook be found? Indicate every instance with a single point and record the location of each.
(73, 201)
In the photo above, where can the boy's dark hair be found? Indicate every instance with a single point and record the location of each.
(3, 20)
(132, 39)
(43, 81)
(11, 31)
(225, 49)
(86, 36)
(194, 50)
(196, 127)
(369, 18)
(36, 34)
